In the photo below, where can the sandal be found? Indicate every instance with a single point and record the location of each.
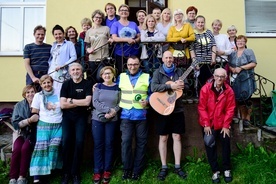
(180, 173)
(162, 174)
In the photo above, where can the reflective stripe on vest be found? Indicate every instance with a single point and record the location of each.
(128, 92)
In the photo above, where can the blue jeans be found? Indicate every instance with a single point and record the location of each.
(73, 129)
(128, 129)
(103, 135)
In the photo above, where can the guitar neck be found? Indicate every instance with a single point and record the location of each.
(186, 73)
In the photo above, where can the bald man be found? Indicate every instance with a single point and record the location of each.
(216, 110)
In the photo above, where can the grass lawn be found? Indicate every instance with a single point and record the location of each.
(250, 166)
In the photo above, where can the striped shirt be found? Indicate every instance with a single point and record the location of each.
(38, 55)
(202, 46)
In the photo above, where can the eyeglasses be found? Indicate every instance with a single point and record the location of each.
(180, 14)
(123, 10)
(241, 41)
(111, 8)
(107, 73)
(135, 65)
(98, 17)
(220, 76)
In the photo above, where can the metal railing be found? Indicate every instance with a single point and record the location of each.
(154, 50)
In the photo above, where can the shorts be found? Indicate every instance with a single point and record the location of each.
(174, 123)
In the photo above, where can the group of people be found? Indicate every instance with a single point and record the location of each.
(53, 116)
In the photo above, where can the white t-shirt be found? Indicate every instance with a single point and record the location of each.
(53, 113)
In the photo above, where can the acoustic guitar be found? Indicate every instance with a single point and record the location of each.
(164, 102)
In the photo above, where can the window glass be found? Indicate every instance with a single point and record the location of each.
(37, 18)
(10, 29)
(260, 17)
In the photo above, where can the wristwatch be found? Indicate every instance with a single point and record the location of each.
(71, 101)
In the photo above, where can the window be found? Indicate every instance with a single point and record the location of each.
(260, 18)
(18, 19)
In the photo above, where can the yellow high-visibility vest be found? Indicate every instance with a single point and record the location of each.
(129, 93)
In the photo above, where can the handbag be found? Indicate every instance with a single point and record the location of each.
(244, 86)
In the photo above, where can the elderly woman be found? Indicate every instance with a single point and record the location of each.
(96, 40)
(223, 44)
(242, 63)
(46, 155)
(183, 34)
(127, 35)
(191, 13)
(150, 52)
(25, 123)
(106, 97)
(232, 33)
(203, 49)
(62, 52)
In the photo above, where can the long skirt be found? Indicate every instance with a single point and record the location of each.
(47, 152)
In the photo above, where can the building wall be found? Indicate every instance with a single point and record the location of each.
(65, 13)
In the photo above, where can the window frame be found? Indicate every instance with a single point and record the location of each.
(22, 5)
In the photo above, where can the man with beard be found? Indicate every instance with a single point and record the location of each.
(75, 97)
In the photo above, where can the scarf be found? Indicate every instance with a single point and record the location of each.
(169, 71)
(45, 94)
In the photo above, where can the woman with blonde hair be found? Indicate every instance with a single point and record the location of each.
(166, 21)
(182, 34)
(150, 52)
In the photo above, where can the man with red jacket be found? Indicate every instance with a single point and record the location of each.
(216, 109)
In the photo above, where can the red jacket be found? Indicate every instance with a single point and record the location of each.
(216, 111)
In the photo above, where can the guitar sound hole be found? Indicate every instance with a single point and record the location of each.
(172, 98)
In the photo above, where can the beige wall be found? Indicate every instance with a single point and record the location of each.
(65, 13)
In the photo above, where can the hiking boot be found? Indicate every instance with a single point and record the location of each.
(162, 174)
(246, 123)
(135, 176)
(215, 177)
(65, 179)
(97, 178)
(126, 175)
(76, 179)
(12, 181)
(106, 177)
(180, 173)
(227, 176)
(21, 181)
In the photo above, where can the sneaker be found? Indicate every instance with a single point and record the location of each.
(246, 123)
(97, 178)
(135, 176)
(180, 173)
(106, 177)
(65, 179)
(162, 174)
(12, 181)
(126, 175)
(76, 179)
(21, 181)
(227, 176)
(215, 177)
